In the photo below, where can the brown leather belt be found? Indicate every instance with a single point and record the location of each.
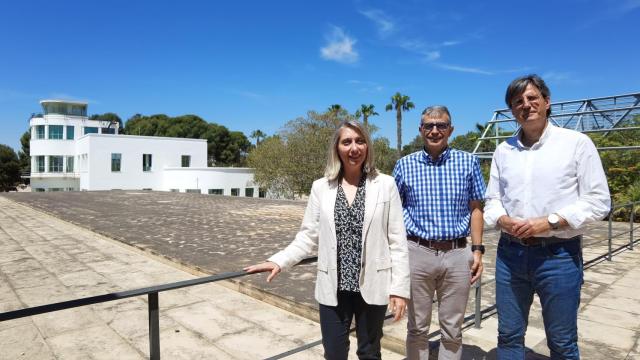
(442, 245)
(534, 241)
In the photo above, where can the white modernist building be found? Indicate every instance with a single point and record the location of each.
(70, 152)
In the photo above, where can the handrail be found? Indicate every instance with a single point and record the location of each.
(90, 300)
(152, 292)
(153, 308)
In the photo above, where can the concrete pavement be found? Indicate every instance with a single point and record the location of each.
(216, 234)
(45, 260)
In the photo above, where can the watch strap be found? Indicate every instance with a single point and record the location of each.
(478, 247)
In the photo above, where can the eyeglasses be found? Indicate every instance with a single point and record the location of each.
(429, 126)
(532, 100)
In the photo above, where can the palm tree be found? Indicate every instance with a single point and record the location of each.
(335, 108)
(400, 103)
(365, 111)
(258, 135)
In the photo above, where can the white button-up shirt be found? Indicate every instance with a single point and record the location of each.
(561, 173)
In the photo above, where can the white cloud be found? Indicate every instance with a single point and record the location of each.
(628, 6)
(68, 97)
(339, 47)
(366, 86)
(259, 98)
(451, 43)
(385, 25)
(7, 95)
(555, 76)
(432, 55)
(427, 52)
(466, 69)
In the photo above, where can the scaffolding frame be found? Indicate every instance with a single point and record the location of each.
(605, 115)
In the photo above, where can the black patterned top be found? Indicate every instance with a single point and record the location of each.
(349, 221)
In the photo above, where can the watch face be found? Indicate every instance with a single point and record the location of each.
(553, 219)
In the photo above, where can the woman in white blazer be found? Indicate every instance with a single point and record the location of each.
(354, 217)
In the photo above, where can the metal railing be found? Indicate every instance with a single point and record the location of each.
(632, 206)
(152, 292)
(153, 309)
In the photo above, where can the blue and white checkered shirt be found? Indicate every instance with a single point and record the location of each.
(436, 195)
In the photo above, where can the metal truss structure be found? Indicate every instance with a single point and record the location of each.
(596, 115)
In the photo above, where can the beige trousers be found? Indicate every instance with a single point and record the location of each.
(447, 274)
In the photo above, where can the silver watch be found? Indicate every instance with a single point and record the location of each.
(554, 221)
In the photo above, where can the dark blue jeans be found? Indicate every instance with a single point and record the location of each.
(335, 322)
(552, 271)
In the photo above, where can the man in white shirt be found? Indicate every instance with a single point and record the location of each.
(546, 183)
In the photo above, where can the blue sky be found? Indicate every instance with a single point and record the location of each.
(257, 64)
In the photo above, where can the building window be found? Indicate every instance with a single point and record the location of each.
(90, 130)
(70, 132)
(38, 132)
(146, 162)
(262, 192)
(235, 192)
(55, 132)
(186, 160)
(248, 192)
(193, 191)
(78, 110)
(69, 164)
(39, 189)
(111, 131)
(174, 190)
(216, 191)
(115, 162)
(56, 189)
(55, 164)
(39, 168)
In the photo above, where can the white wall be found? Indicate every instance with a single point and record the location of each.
(55, 182)
(210, 178)
(166, 152)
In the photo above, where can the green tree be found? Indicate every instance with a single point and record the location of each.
(365, 111)
(621, 166)
(415, 145)
(224, 147)
(400, 103)
(110, 117)
(386, 156)
(9, 168)
(25, 154)
(288, 163)
(258, 135)
(272, 169)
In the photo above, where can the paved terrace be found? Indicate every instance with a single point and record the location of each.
(214, 234)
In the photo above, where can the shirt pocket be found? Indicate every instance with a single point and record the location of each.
(322, 266)
(383, 264)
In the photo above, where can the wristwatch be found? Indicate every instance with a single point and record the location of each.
(478, 247)
(554, 221)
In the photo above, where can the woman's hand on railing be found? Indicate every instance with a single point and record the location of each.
(397, 306)
(264, 267)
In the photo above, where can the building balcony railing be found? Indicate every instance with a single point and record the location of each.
(46, 174)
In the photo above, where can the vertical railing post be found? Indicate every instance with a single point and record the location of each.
(154, 327)
(610, 233)
(631, 221)
(478, 312)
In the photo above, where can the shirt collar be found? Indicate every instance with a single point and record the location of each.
(441, 159)
(546, 133)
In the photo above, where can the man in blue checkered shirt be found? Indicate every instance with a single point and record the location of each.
(441, 191)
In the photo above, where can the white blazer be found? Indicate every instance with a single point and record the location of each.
(385, 260)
